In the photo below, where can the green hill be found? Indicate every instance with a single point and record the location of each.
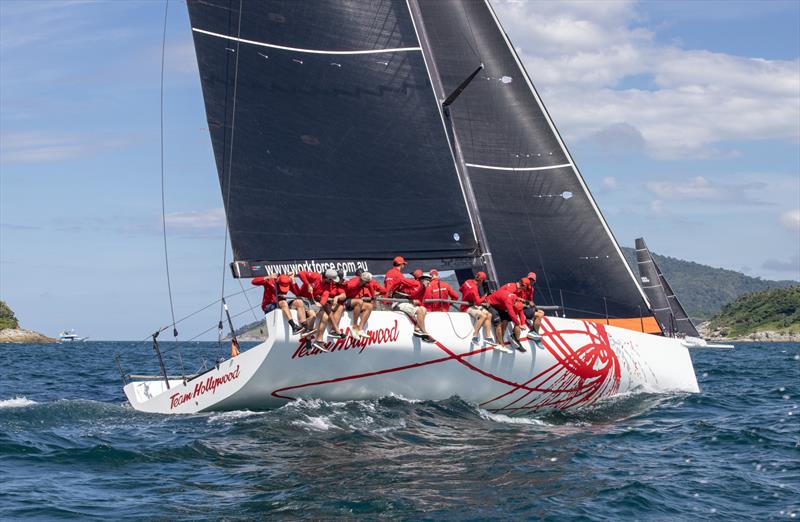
(703, 289)
(7, 318)
(777, 309)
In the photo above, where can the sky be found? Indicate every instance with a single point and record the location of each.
(683, 116)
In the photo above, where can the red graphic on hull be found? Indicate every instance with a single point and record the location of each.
(581, 375)
(586, 369)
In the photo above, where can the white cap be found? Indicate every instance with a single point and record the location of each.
(426, 274)
(366, 277)
(332, 275)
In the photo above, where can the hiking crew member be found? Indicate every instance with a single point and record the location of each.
(415, 290)
(272, 300)
(481, 317)
(524, 289)
(506, 306)
(330, 296)
(269, 300)
(439, 290)
(360, 293)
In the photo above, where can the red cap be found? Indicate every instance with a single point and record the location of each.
(417, 273)
(525, 281)
(480, 276)
(284, 281)
(518, 306)
(434, 273)
(397, 261)
(532, 276)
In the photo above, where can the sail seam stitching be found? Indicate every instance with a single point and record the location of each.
(300, 50)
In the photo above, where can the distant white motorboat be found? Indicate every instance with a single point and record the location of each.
(69, 336)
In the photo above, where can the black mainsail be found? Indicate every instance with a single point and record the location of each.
(327, 135)
(535, 208)
(667, 309)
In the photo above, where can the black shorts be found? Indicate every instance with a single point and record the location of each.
(498, 315)
(530, 313)
(348, 304)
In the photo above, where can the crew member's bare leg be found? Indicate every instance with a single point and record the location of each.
(366, 311)
(420, 315)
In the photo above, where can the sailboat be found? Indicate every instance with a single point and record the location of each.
(346, 133)
(667, 309)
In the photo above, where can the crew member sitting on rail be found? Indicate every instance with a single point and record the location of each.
(415, 291)
(533, 315)
(273, 299)
(330, 296)
(481, 316)
(506, 306)
(437, 293)
(360, 294)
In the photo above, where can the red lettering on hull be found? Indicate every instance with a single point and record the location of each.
(376, 337)
(210, 384)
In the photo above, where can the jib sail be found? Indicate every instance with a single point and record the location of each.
(328, 138)
(535, 209)
(668, 310)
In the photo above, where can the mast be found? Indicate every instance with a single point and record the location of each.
(455, 149)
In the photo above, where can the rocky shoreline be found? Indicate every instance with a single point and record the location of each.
(765, 336)
(24, 336)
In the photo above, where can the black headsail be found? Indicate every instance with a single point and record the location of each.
(668, 310)
(328, 137)
(534, 208)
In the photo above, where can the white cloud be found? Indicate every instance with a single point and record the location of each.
(196, 221)
(657, 206)
(610, 182)
(700, 188)
(41, 147)
(791, 220)
(578, 54)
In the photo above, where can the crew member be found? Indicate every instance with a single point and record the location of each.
(439, 291)
(360, 292)
(481, 317)
(415, 290)
(394, 275)
(330, 296)
(506, 306)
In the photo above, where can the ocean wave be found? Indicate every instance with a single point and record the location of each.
(505, 419)
(17, 402)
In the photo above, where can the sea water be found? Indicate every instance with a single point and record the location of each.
(70, 446)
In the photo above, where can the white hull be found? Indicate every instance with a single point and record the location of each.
(576, 363)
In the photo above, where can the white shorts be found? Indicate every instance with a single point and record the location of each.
(408, 309)
(476, 312)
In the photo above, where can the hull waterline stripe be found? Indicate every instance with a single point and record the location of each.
(518, 169)
(299, 50)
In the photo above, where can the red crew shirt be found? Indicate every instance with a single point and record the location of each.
(523, 293)
(310, 280)
(269, 290)
(392, 279)
(470, 294)
(504, 300)
(353, 288)
(438, 289)
(327, 290)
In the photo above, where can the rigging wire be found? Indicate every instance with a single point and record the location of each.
(206, 307)
(229, 176)
(163, 198)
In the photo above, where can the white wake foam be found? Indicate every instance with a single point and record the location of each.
(499, 417)
(17, 402)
